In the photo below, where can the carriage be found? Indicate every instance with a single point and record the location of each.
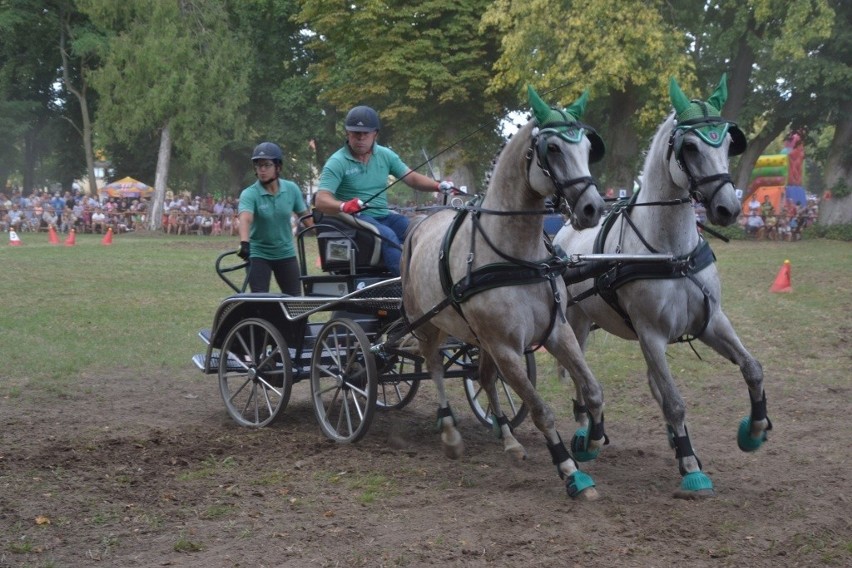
(344, 334)
(465, 268)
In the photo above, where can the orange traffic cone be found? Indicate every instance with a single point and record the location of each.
(72, 238)
(107, 240)
(14, 239)
(51, 235)
(782, 281)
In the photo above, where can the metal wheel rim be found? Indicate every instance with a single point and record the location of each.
(395, 391)
(343, 381)
(516, 410)
(255, 373)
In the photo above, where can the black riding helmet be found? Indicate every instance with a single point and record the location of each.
(362, 119)
(267, 151)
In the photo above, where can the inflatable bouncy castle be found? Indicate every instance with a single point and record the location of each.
(779, 176)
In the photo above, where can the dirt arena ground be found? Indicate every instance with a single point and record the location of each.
(150, 471)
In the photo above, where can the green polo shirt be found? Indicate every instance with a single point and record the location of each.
(348, 178)
(271, 234)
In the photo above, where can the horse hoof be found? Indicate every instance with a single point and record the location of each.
(517, 452)
(454, 452)
(695, 485)
(744, 439)
(580, 445)
(581, 486)
(590, 494)
(453, 445)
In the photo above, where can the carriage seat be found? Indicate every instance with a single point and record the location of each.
(348, 246)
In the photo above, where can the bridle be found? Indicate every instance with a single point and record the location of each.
(715, 137)
(571, 131)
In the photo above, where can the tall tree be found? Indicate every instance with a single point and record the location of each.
(29, 67)
(835, 79)
(78, 44)
(774, 53)
(176, 68)
(424, 66)
(282, 105)
(623, 52)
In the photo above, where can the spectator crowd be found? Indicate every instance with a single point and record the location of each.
(182, 214)
(764, 221)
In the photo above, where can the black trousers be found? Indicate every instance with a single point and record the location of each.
(286, 271)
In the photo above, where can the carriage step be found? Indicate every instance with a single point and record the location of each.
(200, 361)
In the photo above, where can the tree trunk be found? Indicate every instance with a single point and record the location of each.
(838, 172)
(756, 146)
(623, 144)
(80, 94)
(738, 78)
(155, 213)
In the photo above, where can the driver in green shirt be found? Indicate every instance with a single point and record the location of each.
(359, 171)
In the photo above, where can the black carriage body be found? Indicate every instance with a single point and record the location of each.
(356, 298)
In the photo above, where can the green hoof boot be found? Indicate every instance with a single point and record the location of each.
(580, 444)
(744, 440)
(577, 483)
(695, 485)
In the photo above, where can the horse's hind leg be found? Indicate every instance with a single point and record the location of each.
(430, 341)
(695, 482)
(720, 335)
(581, 325)
(488, 381)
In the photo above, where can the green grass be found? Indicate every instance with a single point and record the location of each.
(137, 305)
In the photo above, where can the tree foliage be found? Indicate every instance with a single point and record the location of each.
(171, 62)
(222, 75)
(623, 52)
(424, 66)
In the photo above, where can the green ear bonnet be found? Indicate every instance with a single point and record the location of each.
(704, 119)
(565, 123)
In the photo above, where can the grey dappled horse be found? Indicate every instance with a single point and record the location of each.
(688, 159)
(499, 240)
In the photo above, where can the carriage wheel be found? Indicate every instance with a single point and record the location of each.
(510, 403)
(255, 373)
(343, 381)
(396, 388)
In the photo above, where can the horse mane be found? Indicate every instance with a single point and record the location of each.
(655, 155)
(489, 173)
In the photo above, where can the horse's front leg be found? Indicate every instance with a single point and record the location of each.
(694, 482)
(590, 436)
(578, 484)
(720, 336)
(488, 381)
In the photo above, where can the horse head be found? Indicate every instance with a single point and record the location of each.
(700, 145)
(563, 147)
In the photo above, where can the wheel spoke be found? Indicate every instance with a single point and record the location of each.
(343, 380)
(258, 394)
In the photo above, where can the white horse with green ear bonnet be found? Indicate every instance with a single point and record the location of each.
(484, 275)
(662, 304)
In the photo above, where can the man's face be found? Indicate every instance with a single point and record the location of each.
(361, 143)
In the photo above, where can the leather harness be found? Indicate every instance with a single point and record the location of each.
(685, 266)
